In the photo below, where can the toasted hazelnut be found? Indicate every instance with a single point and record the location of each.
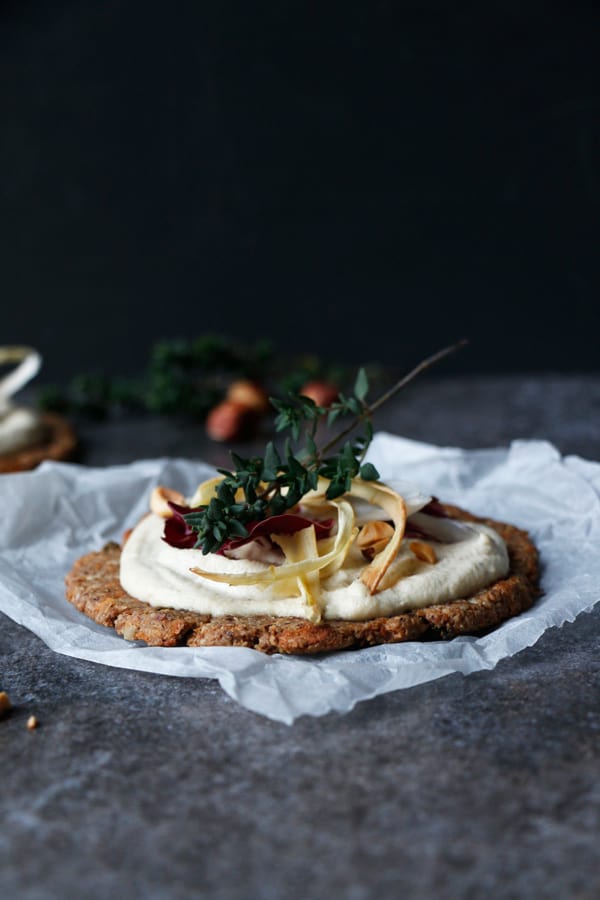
(250, 394)
(423, 551)
(374, 537)
(230, 421)
(322, 392)
(160, 499)
(5, 704)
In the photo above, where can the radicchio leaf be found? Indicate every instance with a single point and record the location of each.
(177, 532)
(412, 531)
(286, 523)
(435, 508)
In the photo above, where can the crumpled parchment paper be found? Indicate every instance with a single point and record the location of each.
(60, 511)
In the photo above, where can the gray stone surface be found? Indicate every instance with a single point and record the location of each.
(145, 786)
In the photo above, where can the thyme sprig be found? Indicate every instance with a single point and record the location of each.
(272, 484)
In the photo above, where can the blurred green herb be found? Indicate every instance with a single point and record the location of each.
(187, 377)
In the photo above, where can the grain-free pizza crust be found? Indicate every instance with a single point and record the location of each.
(93, 586)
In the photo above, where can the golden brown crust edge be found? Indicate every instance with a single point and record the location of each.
(93, 586)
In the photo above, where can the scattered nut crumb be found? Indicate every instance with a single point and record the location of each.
(32, 723)
(5, 703)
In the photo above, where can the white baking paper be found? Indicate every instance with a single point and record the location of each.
(60, 511)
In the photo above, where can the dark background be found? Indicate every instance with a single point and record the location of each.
(364, 180)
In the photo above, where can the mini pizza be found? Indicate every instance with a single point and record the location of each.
(343, 580)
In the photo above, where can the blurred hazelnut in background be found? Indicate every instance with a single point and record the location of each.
(323, 393)
(232, 421)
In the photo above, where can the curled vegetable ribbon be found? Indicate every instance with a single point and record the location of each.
(344, 537)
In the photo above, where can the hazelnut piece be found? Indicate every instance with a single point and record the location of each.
(424, 552)
(322, 392)
(160, 499)
(250, 394)
(230, 421)
(374, 537)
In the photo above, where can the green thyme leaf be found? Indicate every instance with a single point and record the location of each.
(361, 385)
(276, 482)
(271, 463)
(368, 472)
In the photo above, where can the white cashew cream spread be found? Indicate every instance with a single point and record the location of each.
(160, 575)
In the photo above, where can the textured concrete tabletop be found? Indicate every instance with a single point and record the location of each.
(143, 786)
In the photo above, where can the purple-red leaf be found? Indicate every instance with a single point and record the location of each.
(177, 532)
(286, 523)
(435, 508)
